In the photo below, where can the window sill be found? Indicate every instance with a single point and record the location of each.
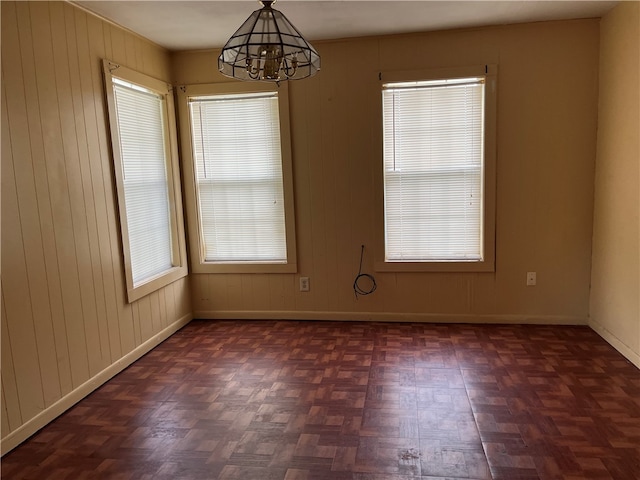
(170, 276)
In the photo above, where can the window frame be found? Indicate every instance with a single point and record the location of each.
(179, 267)
(487, 263)
(196, 246)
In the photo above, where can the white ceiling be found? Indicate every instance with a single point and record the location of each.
(189, 25)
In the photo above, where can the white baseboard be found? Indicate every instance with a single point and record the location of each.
(390, 317)
(615, 342)
(27, 429)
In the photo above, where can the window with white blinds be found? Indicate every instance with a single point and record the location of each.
(145, 181)
(236, 150)
(433, 161)
(144, 146)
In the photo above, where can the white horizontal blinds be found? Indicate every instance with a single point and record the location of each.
(236, 145)
(433, 170)
(142, 149)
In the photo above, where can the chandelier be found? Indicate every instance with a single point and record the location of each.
(267, 47)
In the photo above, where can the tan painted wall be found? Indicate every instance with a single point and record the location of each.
(547, 117)
(615, 277)
(66, 326)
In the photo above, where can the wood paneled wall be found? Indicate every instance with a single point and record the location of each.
(66, 325)
(546, 147)
(615, 277)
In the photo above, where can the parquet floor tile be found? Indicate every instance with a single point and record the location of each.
(358, 401)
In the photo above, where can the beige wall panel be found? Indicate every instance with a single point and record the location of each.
(22, 106)
(138, 44)
(146, 54)
(98, 155)
(78, 283)
(233, 291)
(124, 326)
(93, 314)
(196, 67)
(4, 425)
(9, 382)
(179, 288)
(146, 323)
(154, 305)
(442, 49)
(183, 297)
(198, 290)
(92, 185)
(129, 329)
(315, 159)
(217, 283)
(22, 380)
(355, 150)
(279, 287)
(337, 145)
(174, 298)
(248, 294)
(164, 319)
(202, 285)
(302, 148)
(156, 60)
(65, 319)
(106, 33)
(20, 323)
(259, 285)
(118, 45)
(615, 297)
(130, 52)
(50, 180)
(137, 329)
(170, 303)
(553, 158)
(546, 131)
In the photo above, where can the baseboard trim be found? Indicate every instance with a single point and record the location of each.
(390, 317)
(615, 342)
(27, 429)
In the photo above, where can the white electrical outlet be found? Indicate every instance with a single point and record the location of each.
(304, 284)
(531, 279)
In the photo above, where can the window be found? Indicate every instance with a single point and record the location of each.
(144, 152)
(438, 173)
(239, 173)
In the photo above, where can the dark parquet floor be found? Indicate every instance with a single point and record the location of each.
(362, 401)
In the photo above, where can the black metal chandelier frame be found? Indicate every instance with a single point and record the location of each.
(267, 47)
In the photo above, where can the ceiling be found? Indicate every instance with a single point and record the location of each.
(192, 25)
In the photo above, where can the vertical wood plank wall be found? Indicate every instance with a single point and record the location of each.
(66, 325)
(546, 146)
(615, 276)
